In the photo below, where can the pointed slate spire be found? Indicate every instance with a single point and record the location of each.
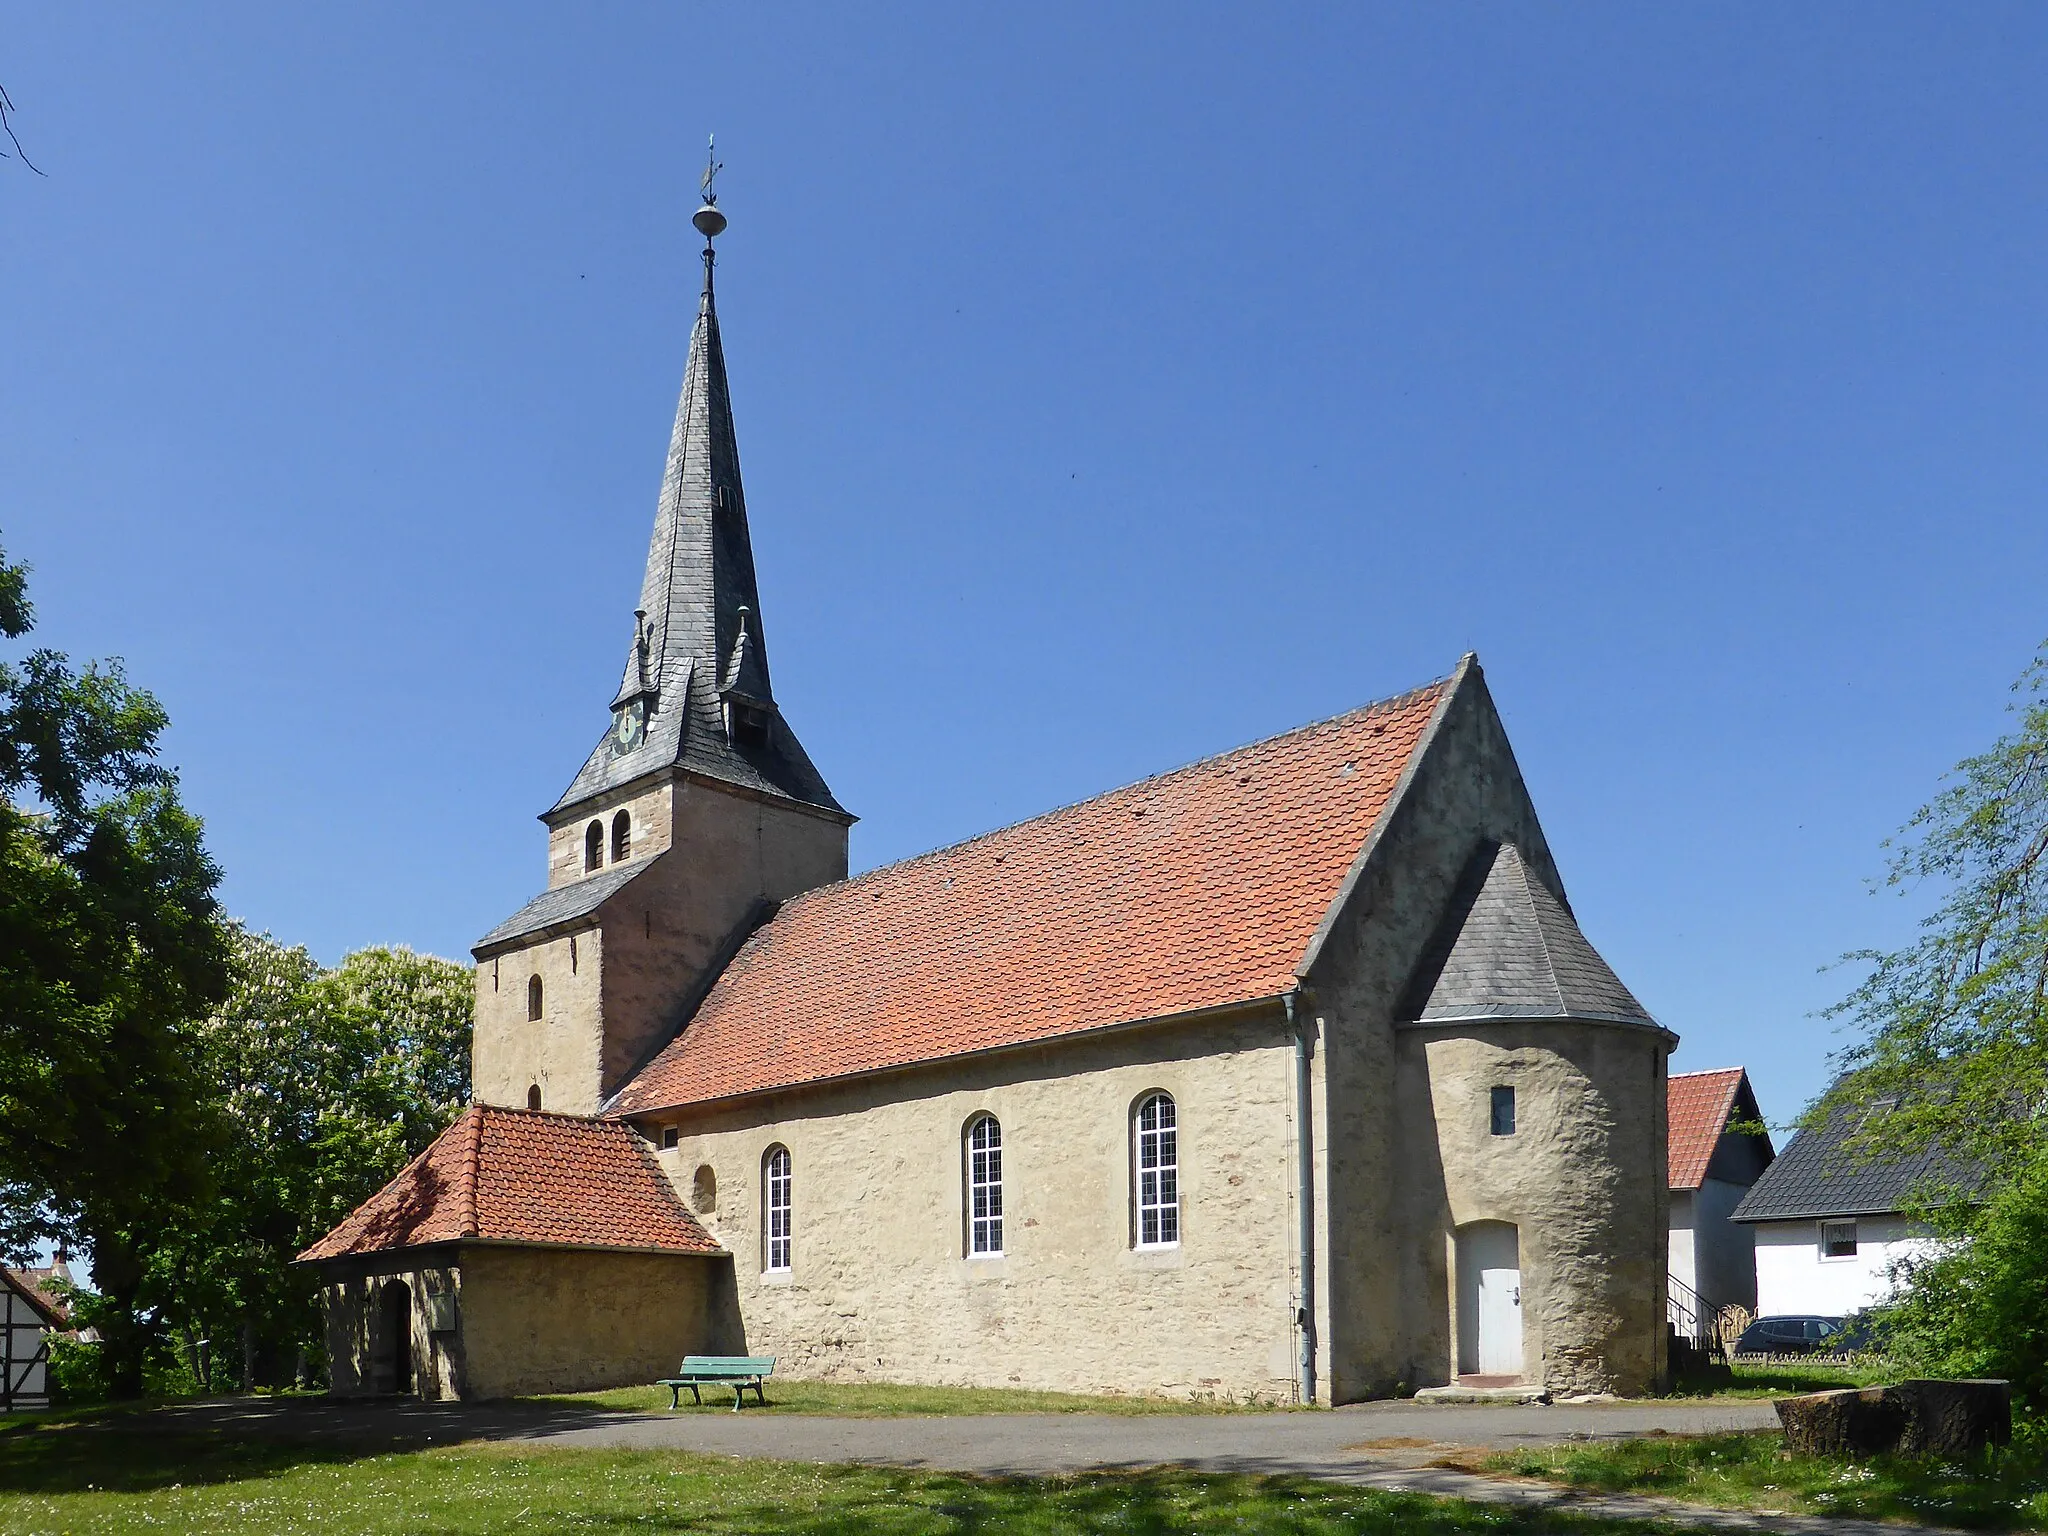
(696, 691)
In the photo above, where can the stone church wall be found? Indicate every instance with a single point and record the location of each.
(880, 1287)
(526, 1319)
(1581, 1179)
(510, 1053)
(651, 807)
(1385, 1318)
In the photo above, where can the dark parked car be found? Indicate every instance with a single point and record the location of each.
(1799, 1336)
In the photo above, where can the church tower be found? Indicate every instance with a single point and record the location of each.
(697, 811)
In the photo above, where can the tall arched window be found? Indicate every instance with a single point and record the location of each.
(533, 1000)
(776, 1209)
(593, 846)
(1157, 1156)
(622, 835)
(984, 1185)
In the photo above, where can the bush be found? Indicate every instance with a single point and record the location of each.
(78, 1373)
(1977, 1307)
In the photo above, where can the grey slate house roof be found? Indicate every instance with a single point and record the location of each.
(1818, 1175)
(565, 903)
(697, 640)
(1510, 948)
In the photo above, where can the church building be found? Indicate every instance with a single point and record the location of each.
(1285, 1074)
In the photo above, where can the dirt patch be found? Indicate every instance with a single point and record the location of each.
(1394, 1443)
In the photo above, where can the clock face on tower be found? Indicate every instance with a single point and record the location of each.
(631, 727)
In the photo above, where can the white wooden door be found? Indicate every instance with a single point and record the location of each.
(1489, 1299)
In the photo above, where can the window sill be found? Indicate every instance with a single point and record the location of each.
(777, 1276)
(1156, 1256)
(987, 1266)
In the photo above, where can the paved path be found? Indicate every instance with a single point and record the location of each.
(1373, 1445)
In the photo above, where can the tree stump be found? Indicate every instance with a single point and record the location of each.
(1915, 1418)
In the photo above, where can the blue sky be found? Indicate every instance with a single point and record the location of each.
(1115, 385)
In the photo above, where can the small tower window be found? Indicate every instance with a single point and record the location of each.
(1503, 1111)
(593, 846)
(622, 835)
(748, 724)
(533, 1000)
(533, 1097)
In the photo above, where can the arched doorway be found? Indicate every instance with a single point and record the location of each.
(396, 1304)
(1489, 1299)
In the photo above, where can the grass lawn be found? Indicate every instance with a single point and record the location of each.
(114, 1478)
(2000, 1490)
(1784, 1379)
(856, 1400)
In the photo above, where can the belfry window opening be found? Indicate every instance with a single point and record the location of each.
(1158, 1164)
(985, 1186)
(622, 835)
(593, 847)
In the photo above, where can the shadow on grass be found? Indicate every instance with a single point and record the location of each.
(1993, 1490)
(226, 1486)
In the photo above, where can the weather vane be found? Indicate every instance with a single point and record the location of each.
(709, 221)
(711, 170)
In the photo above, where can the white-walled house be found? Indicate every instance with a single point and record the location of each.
(27, 1319)
(1829, 1220)
(1714, 1159)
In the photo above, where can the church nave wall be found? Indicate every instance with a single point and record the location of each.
(880, 1286)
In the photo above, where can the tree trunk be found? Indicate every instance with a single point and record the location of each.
(117, 1276)
(248, 1355)
(1916, 1418)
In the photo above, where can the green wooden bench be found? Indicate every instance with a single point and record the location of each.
(736, 1371)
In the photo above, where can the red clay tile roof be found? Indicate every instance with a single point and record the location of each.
(1197, 889)
(28, 1284)
(513, 1175)
(1699, 1106)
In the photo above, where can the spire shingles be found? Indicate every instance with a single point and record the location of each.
(699, 650)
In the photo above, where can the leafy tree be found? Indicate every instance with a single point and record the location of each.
(1956, 1023)
(1955, 1029)
(331, 1082)
(111, 944)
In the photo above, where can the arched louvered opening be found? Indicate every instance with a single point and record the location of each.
(622, 836)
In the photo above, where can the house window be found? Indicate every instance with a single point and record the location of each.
(775, 1209)
(593, 846)
(622, 835)
(1158, 1160)
(533, 1097)
(533, 999)
(1838, 1239)
(669, 1136)
(984, 1186)
(1503, 1111)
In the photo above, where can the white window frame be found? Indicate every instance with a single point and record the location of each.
(983, 1145)
(778, 1211)
(1155, 1172)
(1821, 1241)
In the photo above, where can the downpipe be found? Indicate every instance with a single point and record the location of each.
(1305, 1193)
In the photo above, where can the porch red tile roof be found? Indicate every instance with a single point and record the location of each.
(1193, 890)
(511, 1175)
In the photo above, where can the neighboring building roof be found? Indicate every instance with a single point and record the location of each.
(703, 632)
(28, 1285)
(1819, 1176)
(1510, 949)
(563, 903)
(1194, 890)
(1700, 1105)
(521, 1176)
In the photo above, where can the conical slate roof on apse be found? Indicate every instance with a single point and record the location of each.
(1510, 949)
(702, 635)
